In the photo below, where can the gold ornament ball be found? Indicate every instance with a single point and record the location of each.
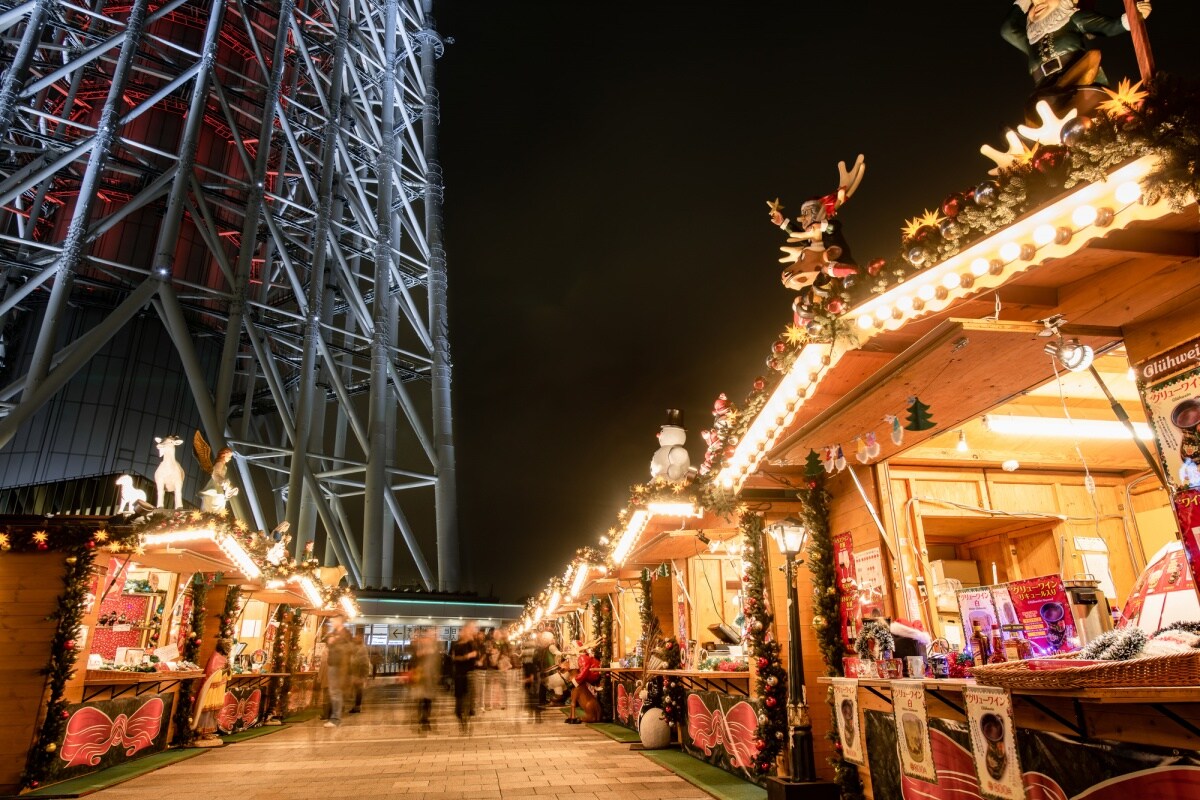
(819, 621)
(50, 748)
(831, 591)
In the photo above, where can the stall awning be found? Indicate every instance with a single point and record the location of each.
(960, 369)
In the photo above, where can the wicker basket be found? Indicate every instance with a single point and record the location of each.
(1177, 669)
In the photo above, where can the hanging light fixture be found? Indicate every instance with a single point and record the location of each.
(1074, 357)
(962, 441)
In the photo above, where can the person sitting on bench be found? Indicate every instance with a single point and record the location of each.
(586, 676)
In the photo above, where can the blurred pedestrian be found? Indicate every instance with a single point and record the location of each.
(360, 669)
(426, 678)
(337, 669)
(464, 654)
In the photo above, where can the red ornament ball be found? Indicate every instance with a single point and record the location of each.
(89, 544)
(762, 663)
(779, 347)
(760, 744)
(43, 546)
(764, 766)
(34, 784)
(760, 384)
(771, 701)
(875, 266)
(69, 644)
(952, 205)
(65, 714)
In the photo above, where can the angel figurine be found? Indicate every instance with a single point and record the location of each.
(218, 490)
(818, 253)
(278, 539)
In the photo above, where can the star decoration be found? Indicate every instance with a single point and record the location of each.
(777, 206)
(1126, 98)
(794, 334)
(931, 218)
(1017, 153)
(4, 543)
(1050, 131)
(196, 516)
(101, 536)
(40, 537)
(677, 488)
(139, 550)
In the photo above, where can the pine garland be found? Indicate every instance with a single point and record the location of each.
(602, 621)
(771, 677)
(814, 514)
(275, 687)
(185, 699)
(673, 693)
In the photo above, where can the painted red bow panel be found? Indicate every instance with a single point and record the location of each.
(957, 779)
(733, 730)
(233, 710)
(91, 733)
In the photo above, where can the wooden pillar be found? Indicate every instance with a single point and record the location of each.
(1141, 40)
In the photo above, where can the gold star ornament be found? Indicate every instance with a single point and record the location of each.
(931, 218)
(1127, 97)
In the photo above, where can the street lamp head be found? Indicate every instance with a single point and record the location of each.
(790, 536)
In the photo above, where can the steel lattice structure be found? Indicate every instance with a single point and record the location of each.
(264, 176)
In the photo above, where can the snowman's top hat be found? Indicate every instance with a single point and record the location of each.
(674, 417)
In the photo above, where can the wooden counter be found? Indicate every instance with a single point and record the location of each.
(110, 684)
(1167, 716)
(733, 683)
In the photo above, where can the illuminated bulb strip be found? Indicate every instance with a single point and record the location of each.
(538, 614)
(664, 509)
(633, 529)
(1053, 232)
(800, 382)
(555, 599)
(232, 548)
(581, 575)
(175, 537)
(349, 607)
(309, 587)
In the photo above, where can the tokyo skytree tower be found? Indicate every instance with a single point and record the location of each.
(226, 215)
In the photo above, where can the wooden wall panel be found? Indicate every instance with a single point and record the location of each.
(30, 584)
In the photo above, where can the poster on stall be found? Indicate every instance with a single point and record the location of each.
(845, 578)
(1044, 612)
(868, 567)
(1170, 388)
(976, 605)
(993, 742)
(1187, 514)
(912, 730)
(1006, 613)
(845, 711)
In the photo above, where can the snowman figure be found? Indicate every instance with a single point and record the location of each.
(671, 460)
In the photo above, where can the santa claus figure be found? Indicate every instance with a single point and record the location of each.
(1055, 36)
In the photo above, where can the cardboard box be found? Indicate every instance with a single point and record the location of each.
(965, 571)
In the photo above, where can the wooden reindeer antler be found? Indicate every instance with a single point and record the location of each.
(848, 180)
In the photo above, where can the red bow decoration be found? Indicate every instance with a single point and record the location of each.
(233, 710)
(91, 733)
(628, 705)
(733, 730)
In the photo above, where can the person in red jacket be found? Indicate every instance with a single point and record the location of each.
(586, 676)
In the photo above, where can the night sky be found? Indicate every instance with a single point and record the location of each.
(610, 256)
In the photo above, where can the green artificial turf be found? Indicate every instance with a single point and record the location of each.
(94, 782)
(713, 780)
(613, 731)
(252, 733)
(303, 716)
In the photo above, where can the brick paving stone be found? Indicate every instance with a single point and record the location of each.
(380, 754)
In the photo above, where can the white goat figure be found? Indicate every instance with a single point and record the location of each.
(169, 475)
(130, 495)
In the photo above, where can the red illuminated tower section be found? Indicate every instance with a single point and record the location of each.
(226, 215)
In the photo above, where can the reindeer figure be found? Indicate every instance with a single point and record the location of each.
(169, 475)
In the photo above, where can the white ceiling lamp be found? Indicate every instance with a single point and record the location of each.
(962, 442)
(1059, 428)
(1074, 357)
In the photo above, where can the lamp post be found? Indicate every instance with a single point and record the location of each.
(790, 537)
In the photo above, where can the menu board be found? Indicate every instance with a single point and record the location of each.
(1045, 613)
(993, 742)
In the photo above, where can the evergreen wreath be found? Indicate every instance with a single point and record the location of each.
(771, 677)
(876, 631)
(814, 514)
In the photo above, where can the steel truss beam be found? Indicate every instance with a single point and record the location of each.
(296, 217)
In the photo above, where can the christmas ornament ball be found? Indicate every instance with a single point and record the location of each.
(773, 363)
(779, 735)
(819, 621)
(1074, 130)
(779, 347)
(71, 559)
(762, 719)
(814, 328)
(771, 701)
(762, 662)
(51, 747)
(986, 194)
(875, 266)
(949, 229)
(917, 256)
(760, 743)
(65, 714)
(771, 681)
(952, 205)
(760, 383)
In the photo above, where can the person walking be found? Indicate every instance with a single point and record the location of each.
(337, 646)
(360, 669)
(426, 678)
(464, 653)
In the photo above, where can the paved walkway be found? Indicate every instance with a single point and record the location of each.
(380, 754)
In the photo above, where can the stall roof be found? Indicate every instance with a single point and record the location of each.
(991, 362)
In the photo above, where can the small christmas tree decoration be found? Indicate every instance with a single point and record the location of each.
(813, 465)
(919, 418)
